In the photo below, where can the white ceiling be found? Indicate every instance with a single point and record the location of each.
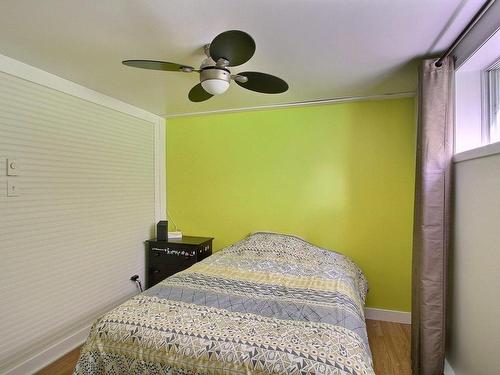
(324, 49)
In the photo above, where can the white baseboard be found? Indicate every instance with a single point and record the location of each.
(56, 351)
(448, 370)
(388, 315)
(33, 363)
(51, 354)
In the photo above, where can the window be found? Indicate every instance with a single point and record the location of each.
(477, 98)
(492, 104)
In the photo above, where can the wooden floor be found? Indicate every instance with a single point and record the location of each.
(64, 365)
(390, 344)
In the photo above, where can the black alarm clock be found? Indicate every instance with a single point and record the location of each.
(162, 230)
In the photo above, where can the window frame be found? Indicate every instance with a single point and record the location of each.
(487, 102)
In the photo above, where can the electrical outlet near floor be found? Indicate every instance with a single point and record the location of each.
(12, 188)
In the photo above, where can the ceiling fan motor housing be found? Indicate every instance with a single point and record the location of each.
(215, 80)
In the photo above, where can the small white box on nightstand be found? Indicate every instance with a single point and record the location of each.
(174, 235)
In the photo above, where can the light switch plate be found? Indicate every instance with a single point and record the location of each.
(12, 189)
(12, 168)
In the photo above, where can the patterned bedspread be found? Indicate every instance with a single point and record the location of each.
(269, 304)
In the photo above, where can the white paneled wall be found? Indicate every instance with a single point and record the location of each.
(74, 235)
(474, 306)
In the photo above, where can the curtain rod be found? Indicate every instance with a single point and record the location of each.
(467, 29)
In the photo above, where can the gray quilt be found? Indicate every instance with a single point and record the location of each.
(269, 304)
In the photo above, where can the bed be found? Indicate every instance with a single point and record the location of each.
(269, 304)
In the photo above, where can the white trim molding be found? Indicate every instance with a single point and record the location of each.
(30, 73)
(448, 370)
(73, 340)
(345, 99)
(52, 353)
(76, 339)
(388, 315)
(56, 351)
(160, 171)
(476, 153)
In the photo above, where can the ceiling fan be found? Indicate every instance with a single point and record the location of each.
(228, 49)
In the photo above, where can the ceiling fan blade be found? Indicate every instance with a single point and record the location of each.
(234, 45)
(262, 82)
(198, 94)
(158, 65)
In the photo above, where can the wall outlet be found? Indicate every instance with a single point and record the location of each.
(12, 189)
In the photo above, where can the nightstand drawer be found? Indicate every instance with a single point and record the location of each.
(165, 258)
(172, 256)
(160, 272)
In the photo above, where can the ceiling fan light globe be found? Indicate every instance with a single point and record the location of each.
(215, 86)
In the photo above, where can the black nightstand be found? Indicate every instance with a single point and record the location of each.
(164, 258)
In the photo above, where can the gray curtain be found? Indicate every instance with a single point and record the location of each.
(432, 216)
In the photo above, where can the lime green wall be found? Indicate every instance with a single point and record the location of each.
(339, 175)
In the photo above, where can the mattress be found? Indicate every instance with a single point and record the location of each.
(269, 304)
